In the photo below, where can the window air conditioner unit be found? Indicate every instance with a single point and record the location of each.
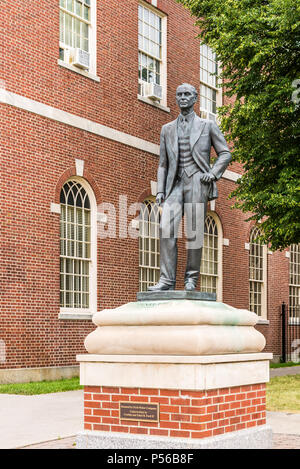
(208, 115)
(80, 58)
(152, 91)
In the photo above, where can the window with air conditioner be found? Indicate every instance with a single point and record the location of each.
(152, 54)
(210, 94)
(77, 34)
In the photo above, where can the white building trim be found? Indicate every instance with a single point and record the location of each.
(153, 185)
(84, 73)
(79, 164)
(54, 208)
(231, 175)
(50, 112)
(82, 123)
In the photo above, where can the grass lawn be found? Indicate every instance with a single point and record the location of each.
(41, 387)
(283, 394)
(281, 365)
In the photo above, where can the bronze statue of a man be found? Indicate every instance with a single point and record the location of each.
(185, 183)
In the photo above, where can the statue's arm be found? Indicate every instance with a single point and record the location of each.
(162, 168)
(222, 150)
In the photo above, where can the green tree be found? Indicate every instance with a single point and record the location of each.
(258, 44)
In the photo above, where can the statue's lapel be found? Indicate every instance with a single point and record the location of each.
(174, 138)
(196, 131)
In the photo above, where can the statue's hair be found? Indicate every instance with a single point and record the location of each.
(191, 86)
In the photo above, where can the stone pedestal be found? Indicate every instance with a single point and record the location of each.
(174, 373)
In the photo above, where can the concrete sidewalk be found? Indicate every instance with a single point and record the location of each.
(284, 422)
(26, 420)
(285, 370)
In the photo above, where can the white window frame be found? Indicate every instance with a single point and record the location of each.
(263, 282)
(92, 38)
(82, 312)
(219, 276)
(293, 267)
(205, 113)
(163, 62)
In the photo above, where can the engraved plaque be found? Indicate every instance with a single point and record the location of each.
(139, 411)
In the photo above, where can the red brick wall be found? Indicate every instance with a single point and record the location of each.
(38, 155)
(31, 69)
(184, 414)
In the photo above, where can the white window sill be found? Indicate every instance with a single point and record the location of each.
(263, 321)
(76, 314)
(153, 103)
(294, 321)
(84, 73)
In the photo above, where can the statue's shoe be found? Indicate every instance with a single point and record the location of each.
(190, 286)
(160, 286)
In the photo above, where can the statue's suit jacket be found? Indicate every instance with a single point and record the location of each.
(204, 134)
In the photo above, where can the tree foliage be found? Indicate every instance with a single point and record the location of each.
(258, 44)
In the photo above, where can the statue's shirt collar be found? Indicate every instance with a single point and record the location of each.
(188, 118)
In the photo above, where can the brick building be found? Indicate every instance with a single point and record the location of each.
(85, 87)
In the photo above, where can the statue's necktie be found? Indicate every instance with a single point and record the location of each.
(184, 126)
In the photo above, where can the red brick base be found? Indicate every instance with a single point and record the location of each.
(184, 414)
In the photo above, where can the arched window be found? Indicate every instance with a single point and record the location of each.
(77, 246)
(149, 262)
(294, 300)
(211, 263)
(257, 274)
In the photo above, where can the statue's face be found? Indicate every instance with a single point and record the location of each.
(185, 96)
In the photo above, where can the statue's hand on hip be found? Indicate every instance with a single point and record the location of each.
(160, 198)
(207, 177)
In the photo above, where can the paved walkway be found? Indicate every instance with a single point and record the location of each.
(285, 370)
(284, 423)
(26, 420)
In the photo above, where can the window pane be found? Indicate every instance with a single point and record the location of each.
(68, 26)
(85, 30)
(86, 13)
(85, 45)
(78, 8)
(70, 5)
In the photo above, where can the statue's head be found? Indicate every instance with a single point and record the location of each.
(186, 96)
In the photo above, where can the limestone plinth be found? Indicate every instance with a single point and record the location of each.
(175, 327)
